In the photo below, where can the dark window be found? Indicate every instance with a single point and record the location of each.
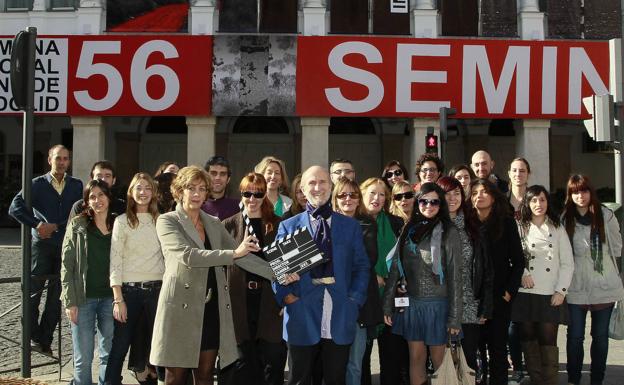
(18, 5)
(499, 18)
(349, 16)
(459, 17)
(501, 127)
(260, 125)
(167, 125)
(387, 23)
(278, 16)
(351, 126)
(603, 19)
(64, 5)
(564, 19)
(238, 16)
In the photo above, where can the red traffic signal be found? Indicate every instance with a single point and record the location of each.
(431, 143)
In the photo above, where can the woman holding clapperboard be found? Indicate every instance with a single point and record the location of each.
(257, 316)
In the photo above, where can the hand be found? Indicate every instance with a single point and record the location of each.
(290, 278)
(453, 331)
(120, 311)
(388, 320)
(556, 299)
(527, 282)
(507, 296)
(401, 289)
(290, 299)
(248, 245)
(72, 314)
(482, 320)
(381, 282)
(45, 230)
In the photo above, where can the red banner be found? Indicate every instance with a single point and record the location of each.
(406, 77)
(118, 75)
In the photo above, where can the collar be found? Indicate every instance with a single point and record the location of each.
(52, 177)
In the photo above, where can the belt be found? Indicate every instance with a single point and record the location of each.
(324, 281)
(254, 285)
(144, 284)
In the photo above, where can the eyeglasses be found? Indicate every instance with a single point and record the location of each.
(249, 194)
(344, 171)
(200, 190)
(406, 195)
(344, 195)
(389, 174)
(425, 170)
(429, 202)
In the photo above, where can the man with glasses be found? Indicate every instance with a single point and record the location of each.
(218, 204)
(341, 168)
(483, 165)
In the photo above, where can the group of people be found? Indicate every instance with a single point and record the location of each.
(175, 273)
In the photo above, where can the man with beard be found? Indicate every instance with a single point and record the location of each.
(322, 307)
(218, 204)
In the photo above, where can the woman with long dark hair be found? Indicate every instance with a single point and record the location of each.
(86, 292)
(257, 316)
(476, 270)
(347, 200)
(498, 230)
(539, 307)
(430, 253)
(394, 172)
(136, 269)
(594, 233)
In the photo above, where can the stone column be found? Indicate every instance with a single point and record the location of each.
(314, 23)
(425, 20)
(202, 18)
(418, 132)
(531, 22)
(200, 139)
(314, 142)
(91, 17)
(532, 143)
(88, 147)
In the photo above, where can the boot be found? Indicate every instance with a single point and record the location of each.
(533, 360)
(550, 364)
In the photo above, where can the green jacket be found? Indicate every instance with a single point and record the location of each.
(74, 263)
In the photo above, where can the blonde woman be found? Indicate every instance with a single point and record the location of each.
(299, 200)
(402, 203)
(136, 269)
(274, 172)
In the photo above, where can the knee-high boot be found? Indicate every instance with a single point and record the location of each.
(550, 364)
(533, 360)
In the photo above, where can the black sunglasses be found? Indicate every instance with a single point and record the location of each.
(389, 174)
(406, 195)
(429, 202)
(352, 195)
(249, 194)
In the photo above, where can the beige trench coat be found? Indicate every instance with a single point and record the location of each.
(179, 318)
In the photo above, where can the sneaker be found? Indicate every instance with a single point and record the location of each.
(516, 377)
(41, 348)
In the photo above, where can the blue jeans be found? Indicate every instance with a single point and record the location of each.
(100, 309)
(599, 345)
(356, 353)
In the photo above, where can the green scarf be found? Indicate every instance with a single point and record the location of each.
(385, 242)
(278, 209)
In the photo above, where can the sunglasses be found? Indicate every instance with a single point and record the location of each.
(406, 195)
(344, 195)
(390, 174)
(429, 202)
(249, 194)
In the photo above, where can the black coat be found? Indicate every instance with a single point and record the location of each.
(482, 272)
(507, 259)
(370, 313)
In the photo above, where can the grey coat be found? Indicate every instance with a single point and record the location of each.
(179, 318)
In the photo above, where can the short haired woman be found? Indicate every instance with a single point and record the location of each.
(464, 175)
(394, 172)
(519, 171)
(299, 199)
(167, 167)
(274, 172)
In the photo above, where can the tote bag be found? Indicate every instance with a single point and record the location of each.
(446, 373)
(616, 324)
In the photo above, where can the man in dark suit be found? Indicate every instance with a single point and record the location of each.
(53, 195)
(321, 309)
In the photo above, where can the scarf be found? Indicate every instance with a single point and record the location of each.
(595, 245)
(386, 241)
(419, 231)
(278, 208)
(322, 237)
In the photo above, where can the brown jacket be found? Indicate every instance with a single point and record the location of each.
(179, 317)
(269, 320)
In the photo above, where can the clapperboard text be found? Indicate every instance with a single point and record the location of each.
(295, 253)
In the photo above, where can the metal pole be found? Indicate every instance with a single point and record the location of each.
(27, 160)
(618, 158)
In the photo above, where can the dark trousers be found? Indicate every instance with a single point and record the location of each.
(496, 336)
(136, 331)
(599, 345)
(471, 343)
(515, 350)
(393, 358)
(334, 360)
(261, 362)
(46, 260)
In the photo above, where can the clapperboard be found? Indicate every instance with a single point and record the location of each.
(398, 6)
(295, 253)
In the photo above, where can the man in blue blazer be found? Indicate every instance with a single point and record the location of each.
(53, 195)
(322, 307)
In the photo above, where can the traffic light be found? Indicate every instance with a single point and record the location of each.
(22, 68)
(431, 142)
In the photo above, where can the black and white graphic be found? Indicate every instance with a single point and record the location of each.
(295, 253)
(398, 6)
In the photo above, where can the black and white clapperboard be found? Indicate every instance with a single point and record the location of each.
(295, 253)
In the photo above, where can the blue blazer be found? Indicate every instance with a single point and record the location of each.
(302, 319)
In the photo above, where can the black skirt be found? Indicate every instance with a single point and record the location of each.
(537, 308)
(210, 327)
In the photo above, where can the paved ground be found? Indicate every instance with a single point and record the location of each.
(10, 264)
